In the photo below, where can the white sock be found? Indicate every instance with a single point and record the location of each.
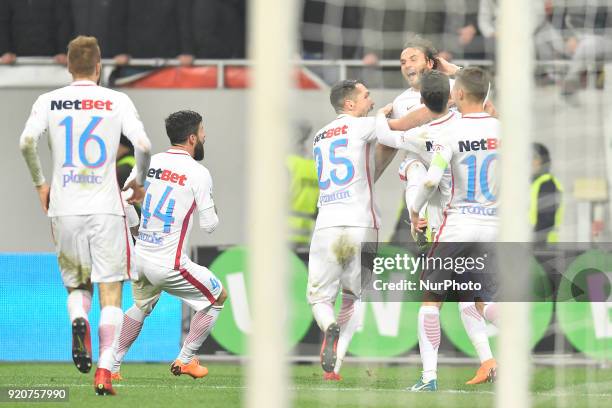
(415, 174)
(476, 329)
(79, 304)
(324, 314)
(199, 329)
(429, 340)
(491, 314)
(130, 329)
(348, 321)
(108, 331)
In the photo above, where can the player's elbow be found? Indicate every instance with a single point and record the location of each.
(430, 184)
(143, 144)
(27, 144)
(209, 223)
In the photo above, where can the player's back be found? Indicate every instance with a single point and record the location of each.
(344, 155)
(175, 182)
(85, 122)
(474, 140)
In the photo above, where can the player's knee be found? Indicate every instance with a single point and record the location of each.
(415, 169)
(146, 306)
(222, 297)
(347, 294)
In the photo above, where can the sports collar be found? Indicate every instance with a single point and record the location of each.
(83, 82)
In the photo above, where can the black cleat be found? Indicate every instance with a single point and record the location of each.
(328, 348)
(81, 345)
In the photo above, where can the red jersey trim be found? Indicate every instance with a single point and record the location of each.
(475, 117)
(199, 285)
(442, 121)
(182, 153)
(367, 160)
(179, 249)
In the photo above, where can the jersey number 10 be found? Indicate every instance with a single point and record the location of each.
(471, 162)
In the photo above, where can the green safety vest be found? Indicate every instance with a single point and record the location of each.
(553, 235)
(129, 160)
(304, 190)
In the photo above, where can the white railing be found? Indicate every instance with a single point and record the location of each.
(342, 66)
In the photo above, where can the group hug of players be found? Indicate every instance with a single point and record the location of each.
(91, 220)
(449, 135)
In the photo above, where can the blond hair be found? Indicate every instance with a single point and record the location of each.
(83, 55)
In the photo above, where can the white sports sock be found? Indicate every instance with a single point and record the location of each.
(79, 304)
(108, 331)
(429, 340)
(415, 174)
(476, 329)
(199, 329)
(491, 314)
(348, 321)
(130, 329)
(324, 314)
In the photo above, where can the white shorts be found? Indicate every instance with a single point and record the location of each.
(196, 285)
(92, 248)
(467, 233)
(335, 261)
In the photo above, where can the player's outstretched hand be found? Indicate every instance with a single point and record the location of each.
(138, 192)
(386, 110)
(43, 194)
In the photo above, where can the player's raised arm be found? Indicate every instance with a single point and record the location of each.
(411, 120)
(133, 129)
(204, 201)
(35, 127)
(384, 134)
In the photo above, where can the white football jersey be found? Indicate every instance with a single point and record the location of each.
(410, 100)
(406, 102)
(344, 155)
(85, 122)
(470, 147)
(420, 142)
(176, 185)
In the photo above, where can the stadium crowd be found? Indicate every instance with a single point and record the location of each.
(349, 29)
(183, 29)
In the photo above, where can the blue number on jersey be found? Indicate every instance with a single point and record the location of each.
(85, 138)
(166, 217)
(214, 284)
(470, 161)
(334, 159)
